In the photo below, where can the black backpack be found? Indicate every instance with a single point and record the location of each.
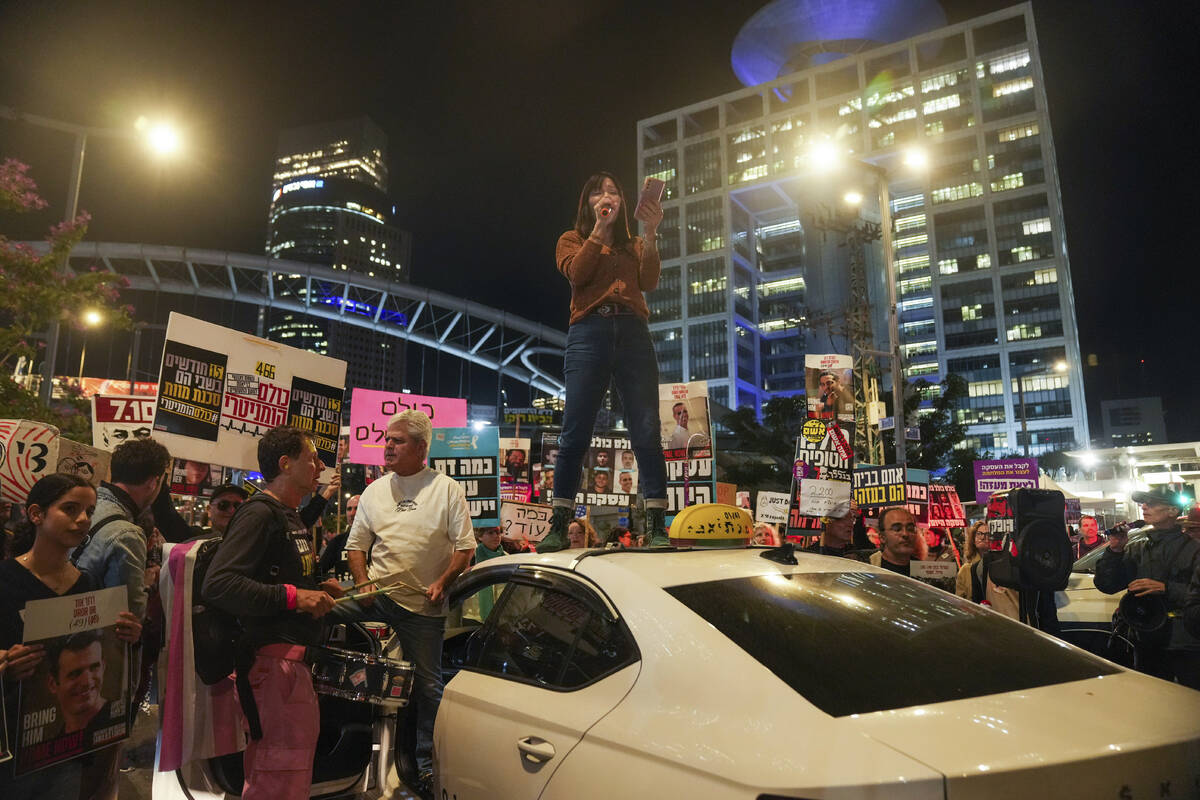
(216, 633)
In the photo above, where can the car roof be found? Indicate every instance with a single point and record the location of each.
(665, 568)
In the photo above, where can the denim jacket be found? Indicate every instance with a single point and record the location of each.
(116, 555)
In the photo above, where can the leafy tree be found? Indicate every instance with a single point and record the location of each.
(35, 291)
(761, 454)
(941, 433)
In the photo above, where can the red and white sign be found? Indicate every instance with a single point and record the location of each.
(30, 450)
(119, 418)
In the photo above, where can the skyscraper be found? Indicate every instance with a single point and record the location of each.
(329, 206)
(754, 267)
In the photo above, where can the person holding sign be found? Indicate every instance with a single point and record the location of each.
(265, 573)
(59, 513)
(609, 342)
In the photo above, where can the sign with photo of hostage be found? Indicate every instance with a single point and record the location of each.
(829, 386)
(77, 699)
(515, 484)
(220, 390)
(197, 478)
(822, 476)
(683, 417)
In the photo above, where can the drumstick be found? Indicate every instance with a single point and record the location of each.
(369, 582)
(388, 588)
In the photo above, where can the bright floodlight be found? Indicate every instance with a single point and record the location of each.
(163, 139)
(916, 158)
(1060, 366)
(853, 198)
(1089, 460)
(92, 318)
(822, 154)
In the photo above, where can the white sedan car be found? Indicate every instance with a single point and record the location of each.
(728, 674)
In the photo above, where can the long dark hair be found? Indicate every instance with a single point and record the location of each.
(585, 217)
(45, 493)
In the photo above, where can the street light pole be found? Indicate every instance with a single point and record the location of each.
(1024, 427)
(159, 137)
(885, 222)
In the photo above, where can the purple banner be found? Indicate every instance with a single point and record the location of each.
(1008, 473)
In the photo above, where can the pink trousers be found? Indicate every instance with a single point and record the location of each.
(279, 765)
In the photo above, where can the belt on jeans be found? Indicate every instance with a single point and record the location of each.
(611, 310)
(287, 652)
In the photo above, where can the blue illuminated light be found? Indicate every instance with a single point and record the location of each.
(364, 309)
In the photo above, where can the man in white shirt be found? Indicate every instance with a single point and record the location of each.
(416, 525)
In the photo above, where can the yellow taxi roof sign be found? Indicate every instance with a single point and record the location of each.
(711, 525)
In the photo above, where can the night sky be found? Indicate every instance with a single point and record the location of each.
(497, 112)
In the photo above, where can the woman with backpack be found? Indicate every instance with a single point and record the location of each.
(58, 516)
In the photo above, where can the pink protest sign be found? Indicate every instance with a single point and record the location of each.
(370, 410)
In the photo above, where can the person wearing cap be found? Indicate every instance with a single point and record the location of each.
(1161, 564)
(226, 499)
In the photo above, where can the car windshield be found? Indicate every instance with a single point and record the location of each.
(857, 642)
(1088, 562)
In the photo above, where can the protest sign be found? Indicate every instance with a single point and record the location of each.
(945, 509)
(772, 507)
(521, 521)
(823, 456)
(933, 570)
(471, 457)
(608, 476)
(220, 390)
(683, 415)
(77, 698)
(876, 488)
(370, 411)
(532, 416)
(829, 386)
(1003, 474)
(118, 418)
(197, 478)
(30, 450)
(515, 483)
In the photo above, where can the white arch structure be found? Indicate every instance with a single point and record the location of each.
(480, 334)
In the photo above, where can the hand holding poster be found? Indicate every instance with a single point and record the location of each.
(521, 521)
(220, 390)
(77, 699)
(370, 411)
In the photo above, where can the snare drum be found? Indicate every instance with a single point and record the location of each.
(361, 677)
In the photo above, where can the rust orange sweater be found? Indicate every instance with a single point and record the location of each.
(600, 274)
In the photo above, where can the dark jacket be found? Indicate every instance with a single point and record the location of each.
(265, 547)
(1170, 556)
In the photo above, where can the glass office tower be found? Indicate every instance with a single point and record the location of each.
(750, 261)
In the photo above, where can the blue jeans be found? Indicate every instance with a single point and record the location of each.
(601, 350)
(420, 640)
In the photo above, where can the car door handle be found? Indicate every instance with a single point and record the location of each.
(535, 749)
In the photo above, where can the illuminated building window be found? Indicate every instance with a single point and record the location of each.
(948, 266)
(1032, 226)
(941, 104)
(985, 388)
(935, 82)
(1043, 383)
(921, 369)
(909, 241)
(1012, 87)
(912, 263)
(1022, 131)
(908, 201)
(1023, 254)
(1022, 331)
(983, 261)
(1009, 62)
(1015, 181)
(949, 194)
(914, 285)
(910, 222)
(972, 312)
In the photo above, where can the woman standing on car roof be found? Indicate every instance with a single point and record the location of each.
(609, 342)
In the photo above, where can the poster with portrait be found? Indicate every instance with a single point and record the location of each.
(220, 390)
(30, 450)
(829, 386)
(822, 475)
(197, 478)
(945, 508)
(119, 418)
(77, 699)
(684, 420)
(515, 482)
(608, 475)
(472, 458)
(371, 409)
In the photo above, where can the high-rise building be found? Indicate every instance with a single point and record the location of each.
(755, 268)
(1133, 422)
(329, 206)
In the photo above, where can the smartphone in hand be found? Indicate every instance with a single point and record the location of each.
(652, 189)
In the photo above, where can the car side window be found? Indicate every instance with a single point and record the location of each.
(551, 638)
